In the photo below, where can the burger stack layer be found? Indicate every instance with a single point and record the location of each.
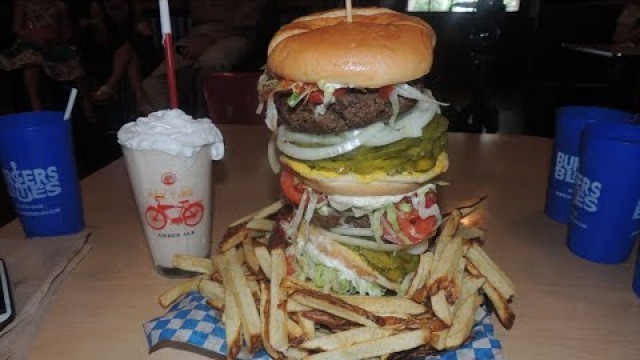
(357, 142)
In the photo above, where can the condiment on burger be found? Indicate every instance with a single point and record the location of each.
(357, 140)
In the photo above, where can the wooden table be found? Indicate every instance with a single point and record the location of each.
(566, 308)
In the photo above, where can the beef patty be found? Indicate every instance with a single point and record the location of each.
(354, 109)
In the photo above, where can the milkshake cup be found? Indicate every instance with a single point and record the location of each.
(168, 156)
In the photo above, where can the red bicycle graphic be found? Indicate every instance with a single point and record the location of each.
(158, 216)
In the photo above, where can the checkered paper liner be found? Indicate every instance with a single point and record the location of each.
(192, 321)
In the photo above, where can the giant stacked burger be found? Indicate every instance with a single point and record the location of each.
(357, 143)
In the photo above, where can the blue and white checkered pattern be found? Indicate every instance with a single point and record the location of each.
(192, 321)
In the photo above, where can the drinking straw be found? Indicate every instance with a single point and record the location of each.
(70, 102)
(348, 6)
(167, 41)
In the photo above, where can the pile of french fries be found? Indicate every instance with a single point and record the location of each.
(247, 281)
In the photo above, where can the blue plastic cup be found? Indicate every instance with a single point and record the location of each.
(605, 208)
(570, 122)
(38, 165)
(636, 277)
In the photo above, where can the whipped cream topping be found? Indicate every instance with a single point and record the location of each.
(173, 132)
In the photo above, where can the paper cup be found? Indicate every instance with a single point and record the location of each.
(173, 196)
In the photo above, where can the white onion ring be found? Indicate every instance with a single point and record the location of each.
(272, 154)
(316, 153)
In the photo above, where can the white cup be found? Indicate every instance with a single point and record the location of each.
(173, 195)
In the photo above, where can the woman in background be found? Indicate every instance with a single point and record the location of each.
(627, 30)
(114, 25)
(43, 43)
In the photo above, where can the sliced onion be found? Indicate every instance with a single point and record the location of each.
(272, 154)
(413, 93)
(351, 231)
(315, 153)
(303, 138)
(260, 106)
(419, 248)
(272, 114)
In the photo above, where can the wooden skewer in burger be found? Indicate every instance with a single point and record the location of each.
(357, 142)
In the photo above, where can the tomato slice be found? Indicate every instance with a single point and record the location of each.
(316, 97)
(291, 186)
(385, 91)
(410, 224)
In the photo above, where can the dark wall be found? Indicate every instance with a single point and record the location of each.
(557, 76)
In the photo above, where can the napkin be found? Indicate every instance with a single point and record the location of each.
(36, 268)
(192, 322)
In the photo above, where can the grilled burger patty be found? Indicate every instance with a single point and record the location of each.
(354, 109)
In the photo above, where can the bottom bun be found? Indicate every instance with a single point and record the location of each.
(377, 184)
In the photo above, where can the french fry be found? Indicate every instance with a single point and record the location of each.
(441, 307)
(173, 294)
(294, 332)
(264, 259)
(501, 306)
(277, 311)
(468, 210)
(346, 338)
(193, 263)
(394, 343)
(447, 233)
(261, 225)
(250, 255)
(231, 242)
(232, 325)
(295, 353)
(336, 306)
(445, 266)
(454, 288)
(237, 283)
(294, 306)
(385, 304)
(462, 323)
(426, 260)
(214, 292)
(469, 233)
(264, 321)
(491, 271)
(260, 214)
(328, 321)
(308, 326)
(290, 284)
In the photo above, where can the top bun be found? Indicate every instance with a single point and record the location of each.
(379, 47)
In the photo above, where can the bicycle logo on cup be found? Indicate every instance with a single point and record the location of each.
(159, 215)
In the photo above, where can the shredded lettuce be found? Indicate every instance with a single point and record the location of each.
(332, 279)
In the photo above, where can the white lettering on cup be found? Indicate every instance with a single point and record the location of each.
(636, 213)
(566, 167)
(27, 185)
(587, 193)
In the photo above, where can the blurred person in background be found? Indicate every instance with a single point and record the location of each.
(43, 33)
(222, 33)
(627, 31)
(113, 28)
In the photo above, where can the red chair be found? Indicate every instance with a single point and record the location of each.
(232, 98)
